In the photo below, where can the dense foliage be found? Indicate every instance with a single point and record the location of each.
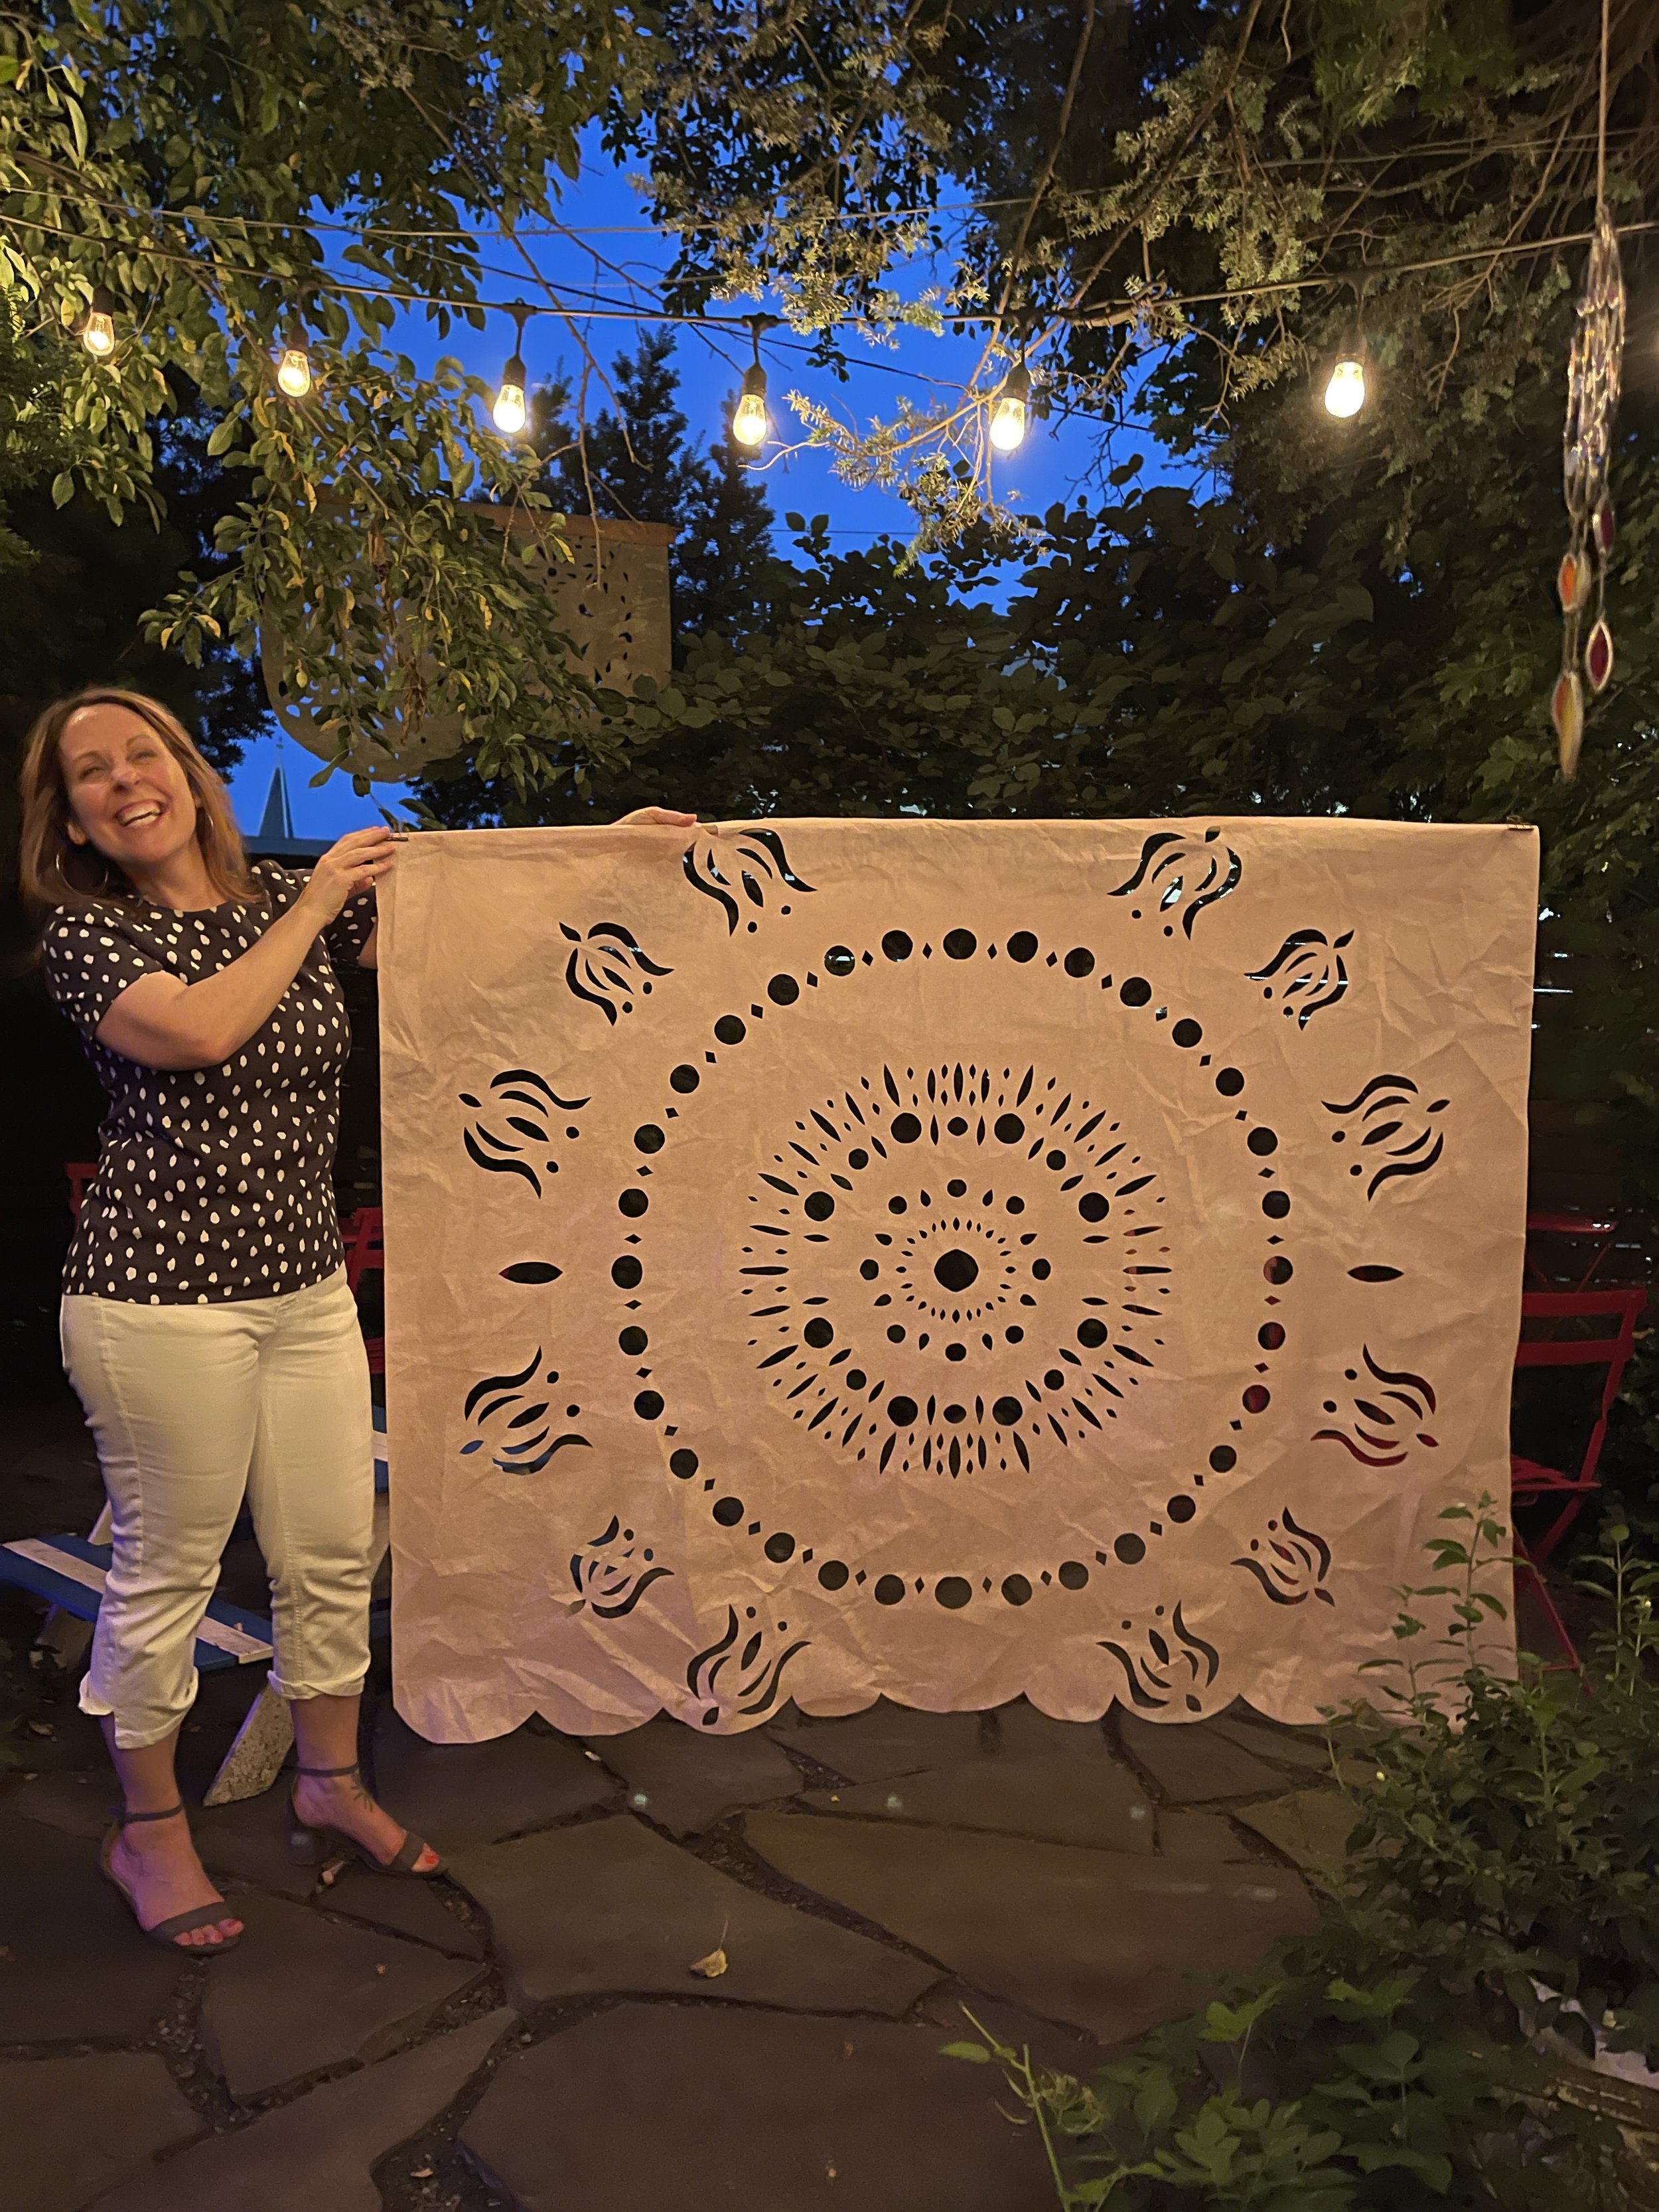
(1496, 1919)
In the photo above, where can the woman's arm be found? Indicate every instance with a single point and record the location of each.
(161, 1021)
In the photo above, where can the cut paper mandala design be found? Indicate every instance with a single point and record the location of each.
(948, 1264)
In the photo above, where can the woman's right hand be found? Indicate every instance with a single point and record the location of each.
(355, 864)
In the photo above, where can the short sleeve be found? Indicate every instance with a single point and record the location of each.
(350, 930)
(90, 958)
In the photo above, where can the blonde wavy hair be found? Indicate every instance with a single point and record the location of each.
(53, 869)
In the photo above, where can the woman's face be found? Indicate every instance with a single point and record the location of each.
(128, 795)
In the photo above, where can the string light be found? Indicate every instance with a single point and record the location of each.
(510, 410)
(1345, 393)
(98, 324)
(294, 370)
(1010, 410)
(750, 424)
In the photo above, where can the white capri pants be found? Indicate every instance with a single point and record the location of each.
(191, 1407)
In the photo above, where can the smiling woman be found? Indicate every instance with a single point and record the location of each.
(207, 1326)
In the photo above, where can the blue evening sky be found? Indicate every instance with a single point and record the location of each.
(618, 258)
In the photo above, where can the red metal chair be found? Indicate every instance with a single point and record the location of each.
(1531, 1483)
(1584, 1228)
(362, 1234)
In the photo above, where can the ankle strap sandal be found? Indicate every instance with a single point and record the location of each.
(309, 1843)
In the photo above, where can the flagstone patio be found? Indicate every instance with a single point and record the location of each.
(530, 2031)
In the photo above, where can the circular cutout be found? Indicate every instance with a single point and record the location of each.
(905, 1128)
(1132, 1550)
(779, 1547)
(1074, 1574)
(956, 1270)
(902, 1412)
(1094, 1205)
(633, 1341)
(1092, 1334)
(1256, 1399)
(841, 960)
(1263, 1143)
(1229, 1082)
(783, 990)
(730, 1029)
(1022, 946)
(648, 1138)
(869, 1269)
(832, 1575)
(858, 1158)
(888, 1590)
(1276, 1205)
(1278, 1269)
(684, 1463)
(684, 1079)
(1224, 1459)
(633, 1203)
(728, 1511)
(1186, 1034)
(1135, 991)
(1180, 1509)
(1009, 1411)
(1008, 1128)
(953, 1593)
(819, 1205)
(818, 1332)
(1079, 961)
(625, 1273)
(1017, 1590)
(1270, 1336)
(648, 1405)
(961, 944)
(896, 945)
(1055, 1379)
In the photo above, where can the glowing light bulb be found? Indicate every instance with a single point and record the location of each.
(98, 324)
(509, 410)
(294, 370)
(1345, 395)
(750, 424)
(1009, 411)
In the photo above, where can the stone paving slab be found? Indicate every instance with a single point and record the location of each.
(1268, 1741)
(1311, 1826)
(75, 1804)
(1022, 1729)
(685, 1782)
(883, 1740)
(300, 1992)
(702, 2110)
(1064, 1798)
(315, 2154)
(73, 2128)
(408, 1908)
(608, 1906)
(1102, 1940)
(1199, 1836)
(78, 1966)
(1191, 1762)
(457, 1795)
(249, 1839)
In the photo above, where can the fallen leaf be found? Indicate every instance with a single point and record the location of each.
(847, 2050)
(829, 2173)
(379, 1970)
(39, 1728)
(421, 2173)
(715, 1963)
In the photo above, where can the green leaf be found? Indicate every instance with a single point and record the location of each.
(976, 2053)
(63, 487)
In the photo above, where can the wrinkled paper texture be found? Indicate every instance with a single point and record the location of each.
(941, 1260)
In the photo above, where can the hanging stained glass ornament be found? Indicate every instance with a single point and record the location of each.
(1593, 375)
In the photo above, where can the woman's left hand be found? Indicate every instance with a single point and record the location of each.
(656, 818)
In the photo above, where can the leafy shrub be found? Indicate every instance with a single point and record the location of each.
(1499, 1897)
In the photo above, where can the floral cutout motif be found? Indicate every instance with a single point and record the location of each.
(757, 863)
(1389, 1106)
(609, 1581)
(1290, 1563)
(1412, 1399)
(606, 968)
(521, 1440)
(1308, 968)
(1171, 1667)
(522, 1152)
(1169, 872)
(756, 1671)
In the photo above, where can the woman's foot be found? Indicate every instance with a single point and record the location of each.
(155, 1866)
(340, 1800)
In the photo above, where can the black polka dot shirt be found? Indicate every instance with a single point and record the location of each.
(213, 1183)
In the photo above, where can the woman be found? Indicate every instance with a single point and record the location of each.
(206, 1326)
